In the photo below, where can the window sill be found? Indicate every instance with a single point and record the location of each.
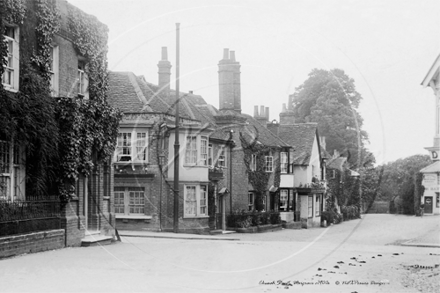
(195, 217)
(133, 217)
(9, 89)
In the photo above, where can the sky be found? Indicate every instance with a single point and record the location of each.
(387, 47)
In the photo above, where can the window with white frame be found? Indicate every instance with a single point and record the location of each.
(318, 205)
(204, 151)
(283, 162)
(132, 146)
(253, 165)
(10, 77)
(195, 200)
(310, 206)
(191, 150)
(284, 195)
(82, 79)
(210, 155)
(222, 157)
(12, 171)
(251, 200)
(291, 161)
(54, 72)
(269, 164)
(129, 200)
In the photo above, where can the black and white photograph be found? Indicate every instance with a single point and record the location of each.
(220, 146)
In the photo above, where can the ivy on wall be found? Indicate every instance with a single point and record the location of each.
(48, 23)
(258, 178)
(63, 137)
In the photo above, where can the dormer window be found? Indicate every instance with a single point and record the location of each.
(10, 75)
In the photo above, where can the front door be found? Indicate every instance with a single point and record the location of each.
(428, 204)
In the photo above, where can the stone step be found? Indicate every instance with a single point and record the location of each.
(292, 225)
(93, 240)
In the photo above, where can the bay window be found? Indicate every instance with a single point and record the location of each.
(132, 146)
(191, 150)
(283, 162)
(204, 150)
(195, 200)
(222, 157)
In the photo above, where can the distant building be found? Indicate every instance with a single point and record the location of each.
(431, 173)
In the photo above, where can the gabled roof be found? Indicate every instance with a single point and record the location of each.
(301, 137)
(432, 71)
(433, 168)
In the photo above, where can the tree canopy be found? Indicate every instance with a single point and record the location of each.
(330, 99)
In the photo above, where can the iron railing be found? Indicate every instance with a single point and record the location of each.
(26, 216)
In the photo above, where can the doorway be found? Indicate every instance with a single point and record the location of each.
(428, 204)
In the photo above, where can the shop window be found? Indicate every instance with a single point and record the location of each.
(10, 76)
(195, 200)
(284, 195)
(318, 205)
(310, 206)
(437, 196)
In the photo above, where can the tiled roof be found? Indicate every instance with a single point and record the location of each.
(123, 93)
(301, 137)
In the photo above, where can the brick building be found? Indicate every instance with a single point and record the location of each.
(214, 145)
(44, 222)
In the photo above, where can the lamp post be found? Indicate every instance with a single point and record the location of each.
(231, 145)
(176, 141)
(161, 163)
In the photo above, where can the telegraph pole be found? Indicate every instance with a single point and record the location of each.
(176, 141)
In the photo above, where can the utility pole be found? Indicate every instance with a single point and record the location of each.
(176, 141)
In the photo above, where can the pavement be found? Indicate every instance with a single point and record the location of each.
(363, 255)
(170, 235)
(430, 238)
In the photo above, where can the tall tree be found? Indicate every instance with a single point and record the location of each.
(330, 99)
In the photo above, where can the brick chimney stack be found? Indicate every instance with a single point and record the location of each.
(164, 72)
(229, 82)
(287, 115)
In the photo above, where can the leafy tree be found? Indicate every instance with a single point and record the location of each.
(330, 99)
(399, 180)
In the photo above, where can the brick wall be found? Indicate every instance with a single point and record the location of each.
(33, 242)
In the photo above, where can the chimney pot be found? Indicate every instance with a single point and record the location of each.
(226, 54)
(284, 108)
(191, 92)
(255, 111)
(164, 54)
(290, 105)
(262, 111)
(232, 56)
(267, 113)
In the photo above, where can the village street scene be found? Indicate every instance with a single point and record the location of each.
(246, 146)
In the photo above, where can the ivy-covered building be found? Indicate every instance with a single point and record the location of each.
(57, 132)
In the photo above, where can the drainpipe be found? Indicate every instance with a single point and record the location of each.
(231, 145)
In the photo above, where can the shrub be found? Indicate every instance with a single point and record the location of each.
(337, 218)
(243, 219)
(350, 212)
(327, 216)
